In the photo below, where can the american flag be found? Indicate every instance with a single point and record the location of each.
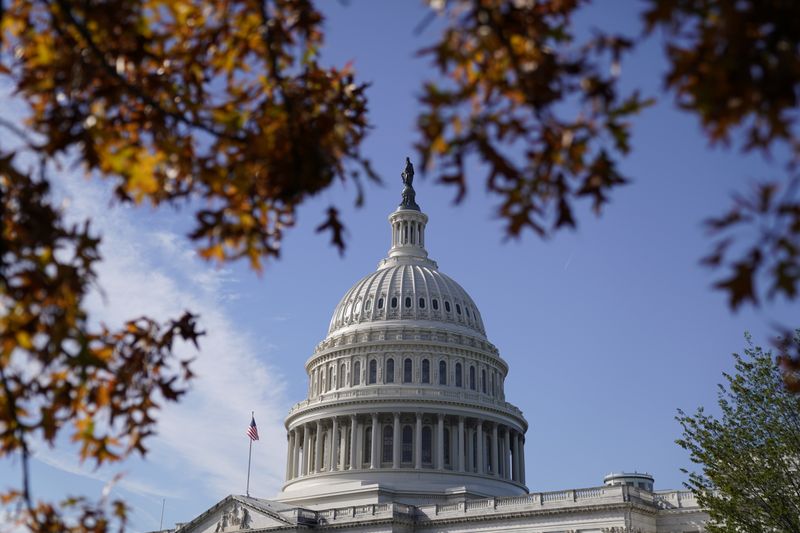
(252, 429)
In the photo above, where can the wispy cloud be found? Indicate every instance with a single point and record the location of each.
(201, 446)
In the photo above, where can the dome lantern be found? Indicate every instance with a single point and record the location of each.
(408, 221)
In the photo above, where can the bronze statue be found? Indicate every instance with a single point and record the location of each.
(409, 195)
(408, 174)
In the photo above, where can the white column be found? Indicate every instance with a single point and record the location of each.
(318, 448)
(289, 454)
(396, 442)
(515, 456)
(481, 454)
(334, 446)
(353, 439)
(374, 451)
(418, 443)
(460, 451)
(440, 443)
(306, 450)
(506, 453)
(522, 458)
(342, 448)
(292, 453)
(495, 457)
(470, 452)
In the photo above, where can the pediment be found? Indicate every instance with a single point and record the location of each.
(233, 514)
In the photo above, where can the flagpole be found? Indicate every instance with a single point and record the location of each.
(249, 457)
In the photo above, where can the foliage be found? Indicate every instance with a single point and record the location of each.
(750, 455)
(509, 68)
(57, 372)
(223, 107)
(736, 65)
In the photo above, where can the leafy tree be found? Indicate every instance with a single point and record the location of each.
(750, 455)
(222, 107)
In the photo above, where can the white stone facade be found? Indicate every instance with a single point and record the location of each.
(406, 426)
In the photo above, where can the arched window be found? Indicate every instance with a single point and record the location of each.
(459, 377)
(408, 436)
(472, 377)
(446, 446)
(435, 304)
(442, 373)
(408, 301)
(422, 303)
(329, 385)
(390, 371)
(368, 305)
(467, 310)
(373, 372)
(342, 370)
(357, 373)
(407, 371)
(426, 371)
(388, 437)
(380, 303)
(458, 308)
(427, 445)
(447, 306)
(368, 444)
(483, 381)
(394, 302)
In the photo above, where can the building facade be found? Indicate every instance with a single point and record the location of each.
(406, 426)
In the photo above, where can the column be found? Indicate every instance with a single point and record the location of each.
(374, 451)
(360, 443)
(506, 452)
(306, 448)
(353, 438)
(333, 462)
(440, 443)
(318, 448)
(470, 453)
(515, 456)
(289, 454)
(297, 446)
(522, 458)
(418, 443)
(342, 448)
(481, 454)
(396, 442)
(495, 456)
(460, 451)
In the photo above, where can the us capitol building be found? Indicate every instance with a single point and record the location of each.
(406, 426)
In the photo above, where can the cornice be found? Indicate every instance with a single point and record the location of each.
(408, 344)
(374, 405)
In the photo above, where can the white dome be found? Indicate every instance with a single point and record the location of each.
(407, 290)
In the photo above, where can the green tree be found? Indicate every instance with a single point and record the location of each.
(750, 454)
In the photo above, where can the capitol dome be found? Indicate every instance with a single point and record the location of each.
(406, 396)
(402, 291)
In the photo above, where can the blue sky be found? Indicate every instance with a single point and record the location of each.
(608, 329)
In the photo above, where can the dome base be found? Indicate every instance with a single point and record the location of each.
(350, 488)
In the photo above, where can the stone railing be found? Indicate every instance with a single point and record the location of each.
(358, 512)
(406, 393)
(403, 334)
(675, 499)
(617, 494)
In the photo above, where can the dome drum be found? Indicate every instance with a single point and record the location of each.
(389, 445)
